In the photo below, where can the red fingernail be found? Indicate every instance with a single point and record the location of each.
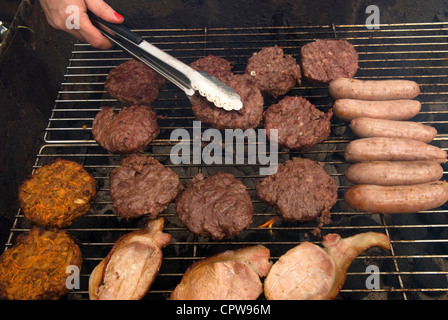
(118, 16)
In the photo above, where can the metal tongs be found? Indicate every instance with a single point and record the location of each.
(180, 74)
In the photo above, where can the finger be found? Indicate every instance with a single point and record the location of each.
(94, 42)
(104, 11)
(90, 34)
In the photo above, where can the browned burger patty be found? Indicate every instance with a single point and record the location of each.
(214, 66)
(142, 185)
(133, 82)
(131, 130)
(299, 123)
(34, 268)
(249, 116)
(274, 72)
(328, 59)
(301, 190)
(218, 206)
(57, 194)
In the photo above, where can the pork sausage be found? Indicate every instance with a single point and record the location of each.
(345, 88)
(369, 127)
(349, 109)
(397, 199)
(393, 173)
(392, 149)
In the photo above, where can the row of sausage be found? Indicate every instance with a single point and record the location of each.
(394, 168)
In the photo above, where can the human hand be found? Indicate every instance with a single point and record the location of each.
(57, 16)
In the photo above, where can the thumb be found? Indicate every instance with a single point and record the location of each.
(104, 11)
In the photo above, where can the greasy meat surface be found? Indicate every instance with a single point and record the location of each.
(310, 272)
(131, 266)
(131, 130)
(274, 72)
(133, 82)
(142, 185)
(57, 194)
(214, 66)
(34, 268)
(218, 206)
(249, 116)
(329, 59)
(301, 190)
(299, 123)
(231, 275)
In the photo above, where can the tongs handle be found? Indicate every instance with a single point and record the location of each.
(117, 30)
(133, 44)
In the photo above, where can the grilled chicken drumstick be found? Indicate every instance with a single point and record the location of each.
(310, 272)
(131, 266)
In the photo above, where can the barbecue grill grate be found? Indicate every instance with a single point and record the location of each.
(415, 268)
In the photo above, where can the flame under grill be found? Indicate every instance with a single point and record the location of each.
(417, 265)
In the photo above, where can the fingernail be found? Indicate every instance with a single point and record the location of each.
(118, 16)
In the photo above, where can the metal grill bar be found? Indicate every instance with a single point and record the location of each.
(417, 265)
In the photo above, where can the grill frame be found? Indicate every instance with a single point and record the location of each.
(415, 51)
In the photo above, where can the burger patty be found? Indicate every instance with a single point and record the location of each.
(301, 190)
(35, 267)
(142, 185)
(133, 82)
(131, 130)
(299, 123)
(215, 66)
(274, 72)
(249, 116)
(218, 206)
(57, 194)
(328, 59)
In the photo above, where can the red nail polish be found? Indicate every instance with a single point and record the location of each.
(118, 16)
